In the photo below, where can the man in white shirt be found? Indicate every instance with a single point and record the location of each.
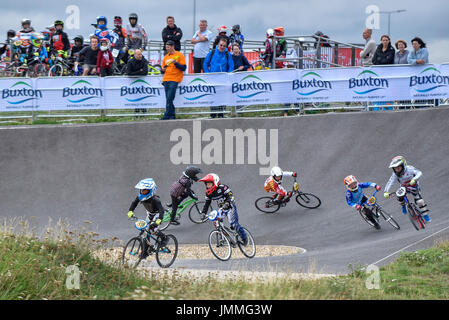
(370, 48)
(201, 42)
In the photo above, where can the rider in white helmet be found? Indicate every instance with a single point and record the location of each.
(151, 202)
(408, 177)
(273, 184)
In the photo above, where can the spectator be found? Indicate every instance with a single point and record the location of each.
(419, 54)
(26, 26)
(59, 39)
(239, 59)
(102, 30)
(402, 54)
(78, 45)
(172, 32)
(268, 54)
(370, 48)
(281, 47)
(6, 49)
(137, 36)
(318, 36)
(173, 67)
(104, 59)
(384, 53)
(88, 56)
(237, 37)
(222, 34)
(218, 60)
(201, 42)
(120, 44)
(137, 66)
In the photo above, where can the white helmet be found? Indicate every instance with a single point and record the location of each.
(276, 172)
(270, 32)
(146, 184)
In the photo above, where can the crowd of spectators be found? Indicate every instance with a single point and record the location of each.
(385, 54)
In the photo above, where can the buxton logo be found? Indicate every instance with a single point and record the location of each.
(250, 86)
(428, 80)
(196, 89)
(20, 92)
(77, 94)
(139, 87)
(367, 84)
(310, 84)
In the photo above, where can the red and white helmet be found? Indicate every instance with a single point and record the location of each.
(211, 177)
(270, 33)
(349, 180)
(222, 29)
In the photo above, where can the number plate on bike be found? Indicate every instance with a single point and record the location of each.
(141, 224)
(296, 186)
(371, 201)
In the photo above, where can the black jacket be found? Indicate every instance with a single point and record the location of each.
(152, 205)
(88, 56)
(170, 34)
(137, 67)
(381, 57)
(241, 61)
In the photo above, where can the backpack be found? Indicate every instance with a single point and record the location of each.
(227, 59)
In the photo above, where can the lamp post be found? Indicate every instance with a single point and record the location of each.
(194, 16)
(389, 16)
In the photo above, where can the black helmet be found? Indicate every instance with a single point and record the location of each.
(133, 16)
(79, 38)
(10, 34)
(191, 172)
(26, 21)
(59, 23)
(236, 28)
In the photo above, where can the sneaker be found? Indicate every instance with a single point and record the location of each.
(426, 217)
(245, 241)
(175, 222)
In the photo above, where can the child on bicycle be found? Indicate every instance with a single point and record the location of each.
(181, 189)
(356, 198)
(152, 204)
(273, 184)
(408, 177)
(215, 190)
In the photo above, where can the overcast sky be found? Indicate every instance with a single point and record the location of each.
(342, 20)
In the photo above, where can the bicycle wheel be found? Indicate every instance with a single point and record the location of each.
(249, 250)
(417, 224)
(132, 253)
(41, 70)
(165, 221)
(56, 71)
(219, 245)
(389, 219)
(266, 205)
(167, 251)
(308, 200)
(372, 222)
(195, 214)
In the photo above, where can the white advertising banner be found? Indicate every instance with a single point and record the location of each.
(358, 84)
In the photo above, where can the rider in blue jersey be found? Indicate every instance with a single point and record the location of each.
(356, 198)
(102, 31)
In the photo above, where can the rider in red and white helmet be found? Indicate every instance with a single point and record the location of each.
(222, 34)
(221, 193)
(273, 184)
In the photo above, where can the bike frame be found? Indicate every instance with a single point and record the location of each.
(181, 207)
(231, 235)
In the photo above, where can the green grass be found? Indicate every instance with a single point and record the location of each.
(35, 268)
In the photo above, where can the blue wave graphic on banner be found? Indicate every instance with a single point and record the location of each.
(21, 101)
(195, 98)
(81, 100)
(139, 99)
(365, 92)
(252, 95)
(310, 93)
(430, 89)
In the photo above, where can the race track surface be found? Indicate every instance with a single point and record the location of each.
(88, 172)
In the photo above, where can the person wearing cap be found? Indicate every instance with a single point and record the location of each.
(172, 32)
(402, 54)
(173, 67)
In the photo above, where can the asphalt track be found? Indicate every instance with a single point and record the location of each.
(88, 172)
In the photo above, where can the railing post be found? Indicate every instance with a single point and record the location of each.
(336, 54)
(353, 56)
